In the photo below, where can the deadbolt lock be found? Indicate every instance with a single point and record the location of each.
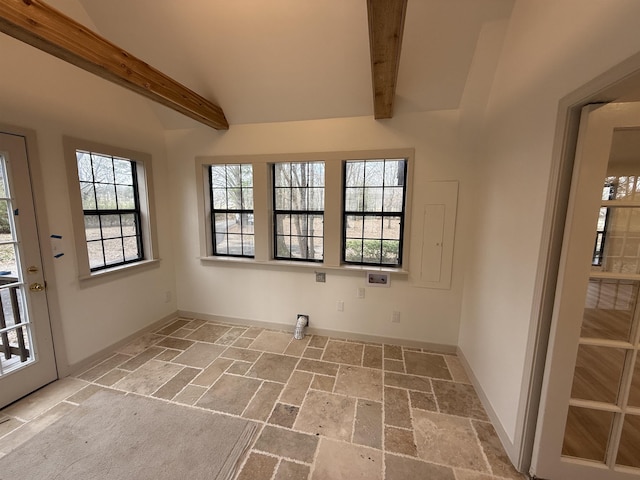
(36, 287)
(32, 269)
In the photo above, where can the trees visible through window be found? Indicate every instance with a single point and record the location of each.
(232, 209)
(374, 207)
(298, 199)
(111, 207)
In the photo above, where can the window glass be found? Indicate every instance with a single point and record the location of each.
(111, 208)
(298, 199)
(232, 210)
(374, 204)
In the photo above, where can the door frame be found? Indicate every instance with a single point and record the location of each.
(620, 84)
(42, 223)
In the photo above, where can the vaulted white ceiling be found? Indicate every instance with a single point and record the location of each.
(287, 60)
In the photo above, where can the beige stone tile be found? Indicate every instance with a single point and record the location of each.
(175, 343)
(25, 432)
(296, 347)
(296, 388)
(456, 369)
(458, 399)
(284, 415)
(497, 457)
(168, 355)
(42, 400)
(253, 332)
(172, 327)
(258, 467)
(292, 471)
(359, 382)
(393, 365)
(396, 408)
(190, 394)
(399, 440)
(410, 382)
(210, 374)
(403, 468)
(312, 352)
(231, 336)
(318, 341)
(9, 424)
(141, 358)
(194, 323)
(326, 414)
(426, 364)
(148, 378)
(243, 342)
(372, 356)
(208, 332)
(112, 377)
(182, 332)
(199, 355)
(177, 383)
(243, 354)
(367, 429)
(323, 382)
(239, 368)
(343, 352)
(393, 352)
(140, 344)
(343, 461)
(85, 393)
(262, 403)
(287, 443)
(273, 342)
(471, 475)
(423, 401)
(317, 366)
(103, 367)
(448, 440)
(230, 394)
(276, 368)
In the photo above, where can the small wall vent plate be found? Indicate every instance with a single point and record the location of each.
(378, 279)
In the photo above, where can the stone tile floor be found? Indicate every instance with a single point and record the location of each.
(327, 408)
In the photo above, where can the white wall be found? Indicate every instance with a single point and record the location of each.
(53, 98)
(551, 49)
(277, 294)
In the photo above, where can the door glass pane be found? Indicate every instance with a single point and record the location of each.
(628, 453)
(634, 394)
(587, 433)
(622, 241)
(609, 309)
(597, 374)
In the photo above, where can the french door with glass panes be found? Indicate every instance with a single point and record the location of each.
(589, 423)
(26, 349)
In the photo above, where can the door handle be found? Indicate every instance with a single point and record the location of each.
(36, 287)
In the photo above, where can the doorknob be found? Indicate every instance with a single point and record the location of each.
(36, 287)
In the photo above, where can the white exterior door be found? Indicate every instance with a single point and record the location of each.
(589, 421)
(27, 359)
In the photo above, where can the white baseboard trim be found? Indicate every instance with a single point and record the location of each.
(361, 337)
(509, 447)
(98, 357)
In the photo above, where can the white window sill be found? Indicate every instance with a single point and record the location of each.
(284, 264)
(118, 271)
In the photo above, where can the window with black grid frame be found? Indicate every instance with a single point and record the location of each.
(111, 208)
(374, 211)
(232, 210)
(298, 214)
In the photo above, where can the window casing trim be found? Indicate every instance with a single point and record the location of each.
(263, 207)
(144, 173)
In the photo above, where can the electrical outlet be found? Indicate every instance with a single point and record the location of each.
(321, 277)
(360, 292)
(395, 317)
(167, 296)
(340, 306)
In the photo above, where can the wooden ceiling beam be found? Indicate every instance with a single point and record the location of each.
(386, 27)
(36, 23)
